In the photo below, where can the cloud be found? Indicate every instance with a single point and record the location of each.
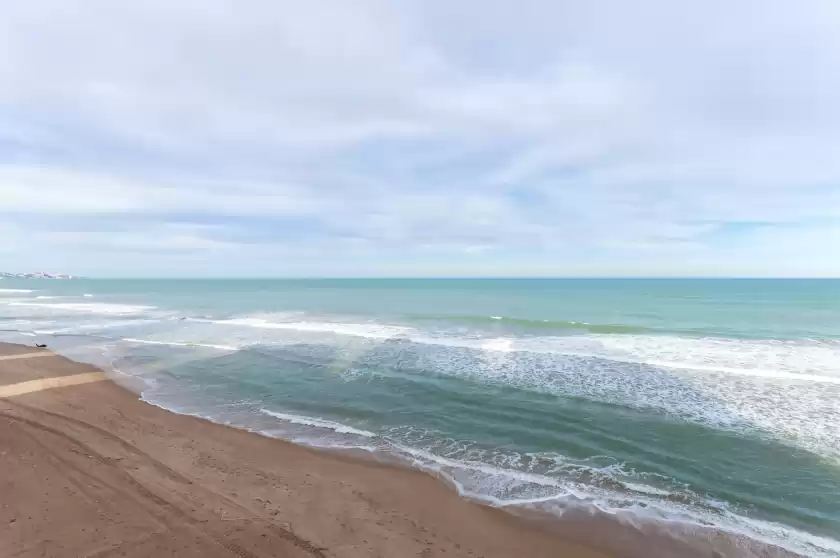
(425, 138)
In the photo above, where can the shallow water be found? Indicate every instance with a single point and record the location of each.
(708, 402)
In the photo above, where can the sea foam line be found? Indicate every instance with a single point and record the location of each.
(606, 501)
(371, 331)
(92, 307)
(507, 345)
(614, 503)
(318, 423)
(644, 503)
(86, 327)
(754, 372)
(180, 344)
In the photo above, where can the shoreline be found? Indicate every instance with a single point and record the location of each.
(91, 469)
(579, 532)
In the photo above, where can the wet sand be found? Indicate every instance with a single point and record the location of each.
(90, 470)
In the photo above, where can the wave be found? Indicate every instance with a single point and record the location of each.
(370, 331)
(781, 360)
(782, 388)
(318, 423)
(773, 388)
(536, 324)
(395, 442)
(93, 308)
(83, 327)
(800, 361)
(766, 388)
(791, 406)
(697, 360)
(180, 344)
(754, 372)
(693, 521)
(16, 291)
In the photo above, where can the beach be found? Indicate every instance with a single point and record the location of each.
(91, 470)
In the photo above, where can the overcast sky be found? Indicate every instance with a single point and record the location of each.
(530, 137)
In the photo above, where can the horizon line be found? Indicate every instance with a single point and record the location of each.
(430, 277)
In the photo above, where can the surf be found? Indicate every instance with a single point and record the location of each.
(516, 399)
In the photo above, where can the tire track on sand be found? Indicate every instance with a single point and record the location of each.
(171, 498)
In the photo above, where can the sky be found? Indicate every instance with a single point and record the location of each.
(420, 138)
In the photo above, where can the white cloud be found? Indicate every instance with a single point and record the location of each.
(533, 137)
(61, 191)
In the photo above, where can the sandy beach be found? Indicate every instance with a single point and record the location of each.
(91, 470)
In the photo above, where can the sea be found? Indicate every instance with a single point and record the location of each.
(707, 408)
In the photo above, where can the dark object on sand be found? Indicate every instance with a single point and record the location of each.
(40, 346)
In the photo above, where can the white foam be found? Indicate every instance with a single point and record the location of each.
(482, 481)
(766, 358)
(425, 459)
(86, 295)
(763, 387)
(370, 331)
(754, 372)
(180, 344)
(646, 489)
(16, 291)
(709, 383)
(92, 327)
(319, 423)
(778, 360)
(816, 362)
(774, 386)
(793, 361)
(501, 344)
(93, 308)
(644, 503)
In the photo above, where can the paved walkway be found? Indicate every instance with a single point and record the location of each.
(28, 355)
(41, 384)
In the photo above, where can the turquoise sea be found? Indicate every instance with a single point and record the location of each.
(693, 406)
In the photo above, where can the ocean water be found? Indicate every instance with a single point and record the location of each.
(700, 406)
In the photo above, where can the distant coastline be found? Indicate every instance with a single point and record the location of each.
(36, 275)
